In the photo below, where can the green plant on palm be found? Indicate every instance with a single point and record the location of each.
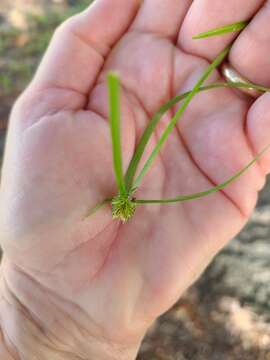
(124, 204)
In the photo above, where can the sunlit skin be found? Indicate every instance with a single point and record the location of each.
(58, 162)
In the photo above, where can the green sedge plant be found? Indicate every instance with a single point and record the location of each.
(124, 203)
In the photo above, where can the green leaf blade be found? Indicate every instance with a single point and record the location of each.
(158, 115)
(146, 137)
(114, 102)
(178, 115)
(214, 189)
(96, 208)
(239, 26)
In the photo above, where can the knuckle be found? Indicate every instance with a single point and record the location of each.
(67, 26)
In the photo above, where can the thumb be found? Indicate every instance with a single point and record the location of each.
(80, 45)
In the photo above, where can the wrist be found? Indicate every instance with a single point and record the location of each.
(37, 325)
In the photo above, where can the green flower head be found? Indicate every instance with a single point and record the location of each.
(123, 208)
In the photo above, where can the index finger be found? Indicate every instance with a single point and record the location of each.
(78, 48)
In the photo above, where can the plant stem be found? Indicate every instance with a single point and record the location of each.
(208, 192)
(114, 98)
(222, 30)
(178, 114)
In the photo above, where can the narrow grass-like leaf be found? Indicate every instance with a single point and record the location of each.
(222, 30)
(247, 85)
(155, 120)
(146, 137)
(98, 207)
(208, 192)
(163, 109)
(114, 101)
(178, 115)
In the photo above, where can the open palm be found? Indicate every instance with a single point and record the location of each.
(58, 161)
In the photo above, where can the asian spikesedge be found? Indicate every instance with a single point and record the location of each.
(124, 203)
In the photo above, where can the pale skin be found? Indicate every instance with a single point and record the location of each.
(78, 287)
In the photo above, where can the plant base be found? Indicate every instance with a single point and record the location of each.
(123, 208)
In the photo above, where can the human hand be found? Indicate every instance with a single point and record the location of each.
(95, 283)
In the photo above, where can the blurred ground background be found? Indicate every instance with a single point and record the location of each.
(226, 315)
